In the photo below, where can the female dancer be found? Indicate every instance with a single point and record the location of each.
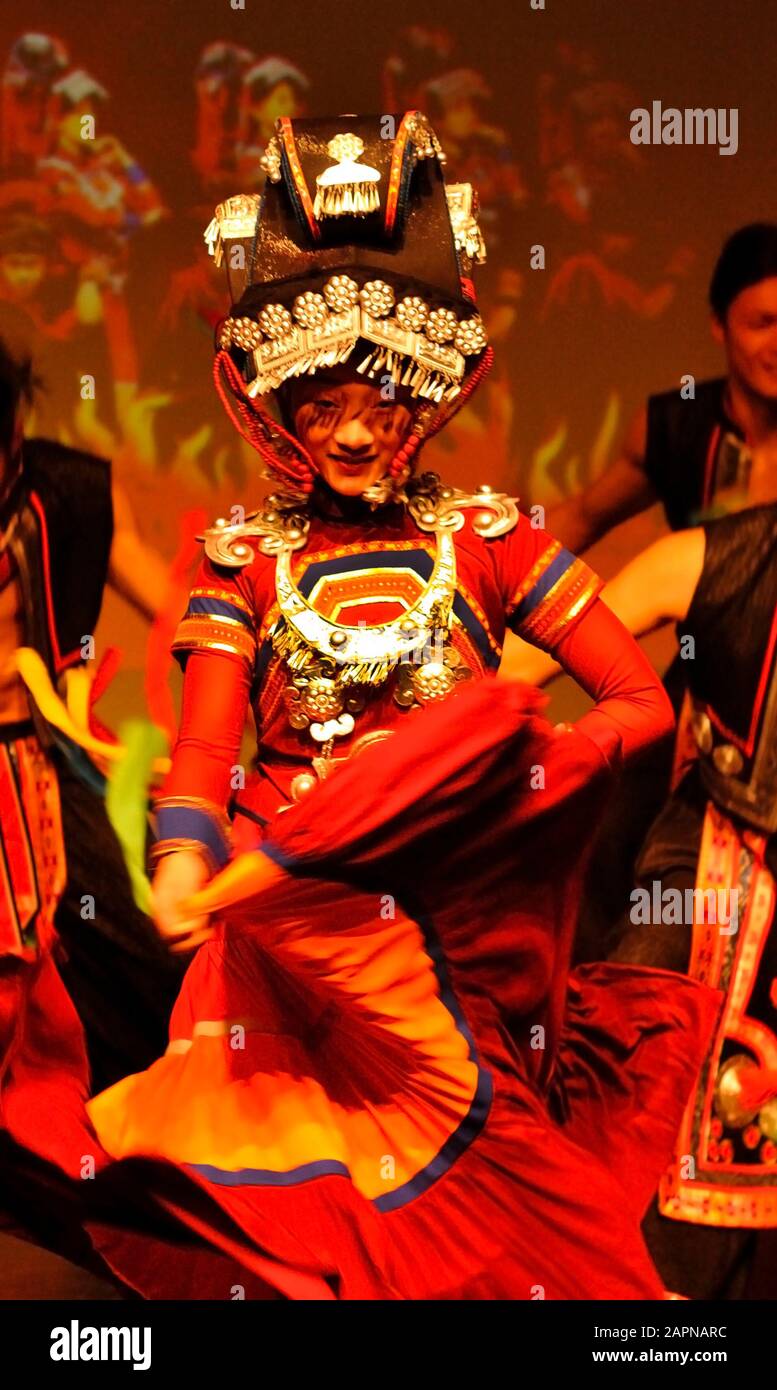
(380, 1081)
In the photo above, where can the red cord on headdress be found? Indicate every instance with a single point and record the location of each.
(414, 442)
(258, 427)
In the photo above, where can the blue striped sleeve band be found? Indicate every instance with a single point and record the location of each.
(193, 822)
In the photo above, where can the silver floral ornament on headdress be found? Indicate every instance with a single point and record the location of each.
(270, 161)
(347, 187)
(441, 326)
(275, 321)
(411, 313)
(341, 293)
(425, 142)
(246, 334)
(471, 336)
(377, 298)
(310, 309)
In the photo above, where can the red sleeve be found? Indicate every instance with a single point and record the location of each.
(630, 699)
(215, 703)
(544, 587)
(216, 644)
(191, 813)
(552, 600)
(221, 614)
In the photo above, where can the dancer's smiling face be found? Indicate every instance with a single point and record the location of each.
(749, 334)
(349, 430)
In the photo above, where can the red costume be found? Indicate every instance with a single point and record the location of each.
(380, 1081)
(371, 570)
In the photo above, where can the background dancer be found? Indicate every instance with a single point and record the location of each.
(712, 1230)
(65, 888)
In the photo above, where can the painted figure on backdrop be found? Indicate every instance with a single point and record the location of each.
(251, 93)
(191, 290)
(218, 85)
(591, 175)
(241, 93)
(101, 197)
(271, 88)
(94, 178)
(418, 54)
(385, 1126)
(422, 67)
(477, 150)
(34, 64)
(613, 264)
(31, 272)
(62, 168)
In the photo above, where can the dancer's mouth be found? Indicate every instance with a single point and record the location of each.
(351, 465)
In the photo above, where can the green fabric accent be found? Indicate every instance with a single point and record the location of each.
(126, 800)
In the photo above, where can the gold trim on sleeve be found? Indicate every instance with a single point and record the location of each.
(561, 607)
(208, 633)
(163, 848)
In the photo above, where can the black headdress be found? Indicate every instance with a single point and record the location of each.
(358, 251)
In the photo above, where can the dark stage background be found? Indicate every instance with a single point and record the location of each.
(107, 269)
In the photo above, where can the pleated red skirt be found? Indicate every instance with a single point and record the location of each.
(382, 1081)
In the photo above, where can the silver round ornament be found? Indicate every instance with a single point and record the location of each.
(275, 321)
(310, 309)
(412, 313)
(470, 336)
(377, 298)
(441, 326)
(341, 293)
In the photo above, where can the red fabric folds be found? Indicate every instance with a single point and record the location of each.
(629, 1050)
(44, 1072)
(477, 817)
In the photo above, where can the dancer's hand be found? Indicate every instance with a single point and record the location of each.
(245, 878)
(178, 876)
